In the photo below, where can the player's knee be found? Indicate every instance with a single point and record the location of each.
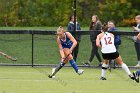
(104, 66)
(70, 57)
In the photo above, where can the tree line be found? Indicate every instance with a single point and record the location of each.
(57, 12)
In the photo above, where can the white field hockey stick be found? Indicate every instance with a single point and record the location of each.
(57, 69)
(8, 57)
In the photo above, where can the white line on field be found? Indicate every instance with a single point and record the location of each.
(126, 91)
(22, 79)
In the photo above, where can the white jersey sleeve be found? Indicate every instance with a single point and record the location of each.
(107, 42)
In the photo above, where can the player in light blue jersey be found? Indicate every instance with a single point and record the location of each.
(66, 43)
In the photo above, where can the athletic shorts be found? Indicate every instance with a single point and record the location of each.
(66, 47)
(109, 56)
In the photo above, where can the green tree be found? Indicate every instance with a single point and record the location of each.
(114, 10)
(57, 12)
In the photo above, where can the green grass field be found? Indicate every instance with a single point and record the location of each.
(35, 80)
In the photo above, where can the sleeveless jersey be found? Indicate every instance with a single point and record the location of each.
(107, 42)
(67, 43)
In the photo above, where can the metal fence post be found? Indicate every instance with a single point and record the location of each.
(32, 49)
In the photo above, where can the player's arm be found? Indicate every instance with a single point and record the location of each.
(98, 41)
(73, 40)
(60, 48)
(138, 36)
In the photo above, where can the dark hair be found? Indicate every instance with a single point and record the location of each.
(91, 23)
(71, 17)
(105, 27)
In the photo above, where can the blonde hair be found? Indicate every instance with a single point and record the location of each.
(59, 29)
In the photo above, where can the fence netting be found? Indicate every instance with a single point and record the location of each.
(43, 49)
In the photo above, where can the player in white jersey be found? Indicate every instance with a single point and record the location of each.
(105, 40)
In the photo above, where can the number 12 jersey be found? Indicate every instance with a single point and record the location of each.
(107, 42)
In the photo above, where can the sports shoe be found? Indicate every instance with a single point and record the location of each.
(103, 78)
(86, 63)
(53, 70)
(136, 75)
(132, 76)
(50, 76)
(80, 71)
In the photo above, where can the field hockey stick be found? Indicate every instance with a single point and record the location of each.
(8, 57)
(58, 68)
(66, 57)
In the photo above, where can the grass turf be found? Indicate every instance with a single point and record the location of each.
(35, 80)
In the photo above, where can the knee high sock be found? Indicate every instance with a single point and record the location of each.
(124, 66)
(58, 68)
(73, 64)
(138, 72)
(104, 68)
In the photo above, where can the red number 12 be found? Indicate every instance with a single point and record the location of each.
(108, 40)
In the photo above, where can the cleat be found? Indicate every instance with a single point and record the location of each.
(132, 77)
(136, 75)
(80, 71)
(103, 78)
(50, 76)
(53, 70)
(13, 59)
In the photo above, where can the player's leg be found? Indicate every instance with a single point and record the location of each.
(91, 55)
(125, 67)
(55, 70)
(97, 55)
(136, 74)
(59, 66)
(104, 68)
(72, 62)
